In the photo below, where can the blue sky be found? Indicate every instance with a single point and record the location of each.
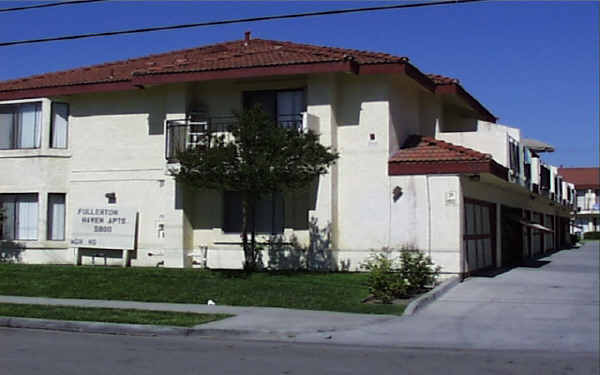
(533, 64)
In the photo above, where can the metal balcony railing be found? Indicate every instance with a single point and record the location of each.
(193, 131)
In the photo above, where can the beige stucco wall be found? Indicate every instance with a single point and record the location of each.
(117, 144)
(488, 138)
(428, 217)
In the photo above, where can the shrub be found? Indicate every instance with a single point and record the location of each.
(591, 236)
(384, 282)
(391, 278)
(573, 238)
(418, 269)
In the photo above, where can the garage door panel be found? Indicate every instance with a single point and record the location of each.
(479, 237)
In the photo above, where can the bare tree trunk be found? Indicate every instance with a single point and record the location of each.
(247, 250)
(248, 211)
(252, 205)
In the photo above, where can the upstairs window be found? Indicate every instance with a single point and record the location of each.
(20, 125)
(544, 178)
(58, 129)
(20, 217)
(284, 106)
(514, 155)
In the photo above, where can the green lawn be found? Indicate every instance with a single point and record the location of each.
(313, 291)
(95, 314)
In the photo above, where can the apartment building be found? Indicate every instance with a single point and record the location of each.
(587, 191)
(85, 156)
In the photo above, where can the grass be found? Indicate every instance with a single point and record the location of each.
(301, 290)
(97, 314)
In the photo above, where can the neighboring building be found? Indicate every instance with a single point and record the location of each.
(422, 163)
(587, 187)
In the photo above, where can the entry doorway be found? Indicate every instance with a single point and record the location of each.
(512, 235)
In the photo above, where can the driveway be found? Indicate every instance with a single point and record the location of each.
(551, 305)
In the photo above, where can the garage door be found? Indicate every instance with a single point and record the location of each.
(536, 235)
(479, 237)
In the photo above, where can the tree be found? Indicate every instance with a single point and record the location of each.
(262, 158)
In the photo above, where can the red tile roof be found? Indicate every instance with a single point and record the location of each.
(233, 60)
(221, 56)
(442, 80)
(426, 149)
(582, 178)
(425, 155)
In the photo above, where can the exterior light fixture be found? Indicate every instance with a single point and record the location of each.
(112, 197)
(397, 193)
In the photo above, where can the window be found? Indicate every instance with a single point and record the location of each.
(20, 212)
(58, 129)
(268, 217)
(56, 217)
(20, 125)
(514, 156)
(284, 106)
(544, 178)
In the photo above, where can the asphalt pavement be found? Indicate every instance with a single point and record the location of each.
(27, 352)
(551, 304)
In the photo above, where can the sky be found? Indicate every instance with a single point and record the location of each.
(533, 64)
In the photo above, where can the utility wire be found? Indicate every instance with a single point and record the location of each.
(237, 20)
(49, 5)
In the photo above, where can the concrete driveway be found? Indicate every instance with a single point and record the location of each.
(551, 305)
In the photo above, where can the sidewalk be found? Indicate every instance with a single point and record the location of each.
(257, 322)
(552, 304)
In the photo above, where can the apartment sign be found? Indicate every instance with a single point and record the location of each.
(104, 227)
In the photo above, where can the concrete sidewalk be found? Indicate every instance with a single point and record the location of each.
(255, 322)
(551, 304)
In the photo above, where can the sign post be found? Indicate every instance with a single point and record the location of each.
(104, 228)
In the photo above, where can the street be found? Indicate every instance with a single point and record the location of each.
(50, 353)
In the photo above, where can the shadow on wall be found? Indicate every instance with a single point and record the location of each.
(317, 256)
(10, 252)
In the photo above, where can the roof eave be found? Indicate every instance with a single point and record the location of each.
(399, 168)
(82, 88)
(458, 91)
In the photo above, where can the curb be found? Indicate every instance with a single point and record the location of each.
(114, 328)
(430, 296)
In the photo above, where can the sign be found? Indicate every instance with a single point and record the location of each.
(104, 228)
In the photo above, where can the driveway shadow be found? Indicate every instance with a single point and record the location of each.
(525, 263)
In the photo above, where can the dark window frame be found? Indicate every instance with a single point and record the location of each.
(14, 218)
(16, 125)
(52, 112)
(49, 219)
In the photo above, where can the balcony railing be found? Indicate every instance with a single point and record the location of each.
(191, 132)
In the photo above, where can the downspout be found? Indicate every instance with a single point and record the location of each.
(428, 216)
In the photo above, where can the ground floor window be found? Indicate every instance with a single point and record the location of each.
(268, 217)
(20, 216)
(56, 217)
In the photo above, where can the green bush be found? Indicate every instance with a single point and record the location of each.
(384, 282)
(400, 277)
(573, 238)
(418, 270)
(591, 236)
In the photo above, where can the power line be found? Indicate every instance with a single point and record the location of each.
(60, 3)
(237, 20)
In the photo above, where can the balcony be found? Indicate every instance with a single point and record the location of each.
(189, 133)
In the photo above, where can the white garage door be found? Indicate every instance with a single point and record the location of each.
(479, 236)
